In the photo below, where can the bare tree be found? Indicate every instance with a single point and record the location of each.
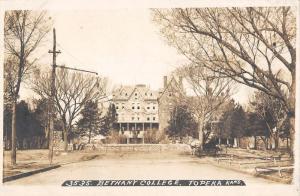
(253, 46)
(73, 91)
(23, 33)
(206, 95)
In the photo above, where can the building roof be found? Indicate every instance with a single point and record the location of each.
(126, 92)
(172, 85)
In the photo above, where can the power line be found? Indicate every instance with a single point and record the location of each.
(75, 58)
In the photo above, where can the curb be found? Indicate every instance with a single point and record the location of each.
(272, 178)
(25, 174)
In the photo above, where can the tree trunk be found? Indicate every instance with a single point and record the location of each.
(291, 113)
(200, 131)
(276, 140)
(90, 132)
(66, 140)
(292, 135)
(14, 134)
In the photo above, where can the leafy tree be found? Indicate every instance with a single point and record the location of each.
(41, 113)
(108, 120)
(257, 127)
(238, 121)
(27, 125)
(182, 122)
(90, 121)
(272, 111)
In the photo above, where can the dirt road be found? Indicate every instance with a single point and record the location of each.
(137, 166)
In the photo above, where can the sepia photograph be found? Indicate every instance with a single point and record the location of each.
(151, 96)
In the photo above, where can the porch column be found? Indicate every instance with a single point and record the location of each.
(143, 133)
(127, 126)
(150, 126)
(120, 128)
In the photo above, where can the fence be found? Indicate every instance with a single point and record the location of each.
(176, 148)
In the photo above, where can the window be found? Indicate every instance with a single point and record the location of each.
(123, 107)
(148, 119)
(138, 107)
(117, 107)
(170, 94)
(133, 107)
(125, 94)
(148, 108)
(135, 94)
(146, 94)
(153, 118)
(153, 107)
(150, 94)
(132, 118)
(138, 118)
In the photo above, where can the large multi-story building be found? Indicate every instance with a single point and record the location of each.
(167, 99)
(138, 108)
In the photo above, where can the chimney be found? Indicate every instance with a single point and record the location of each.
(165, 81)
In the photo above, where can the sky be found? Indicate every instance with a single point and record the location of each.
(123, 45)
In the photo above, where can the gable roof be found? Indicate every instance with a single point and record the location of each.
(170, 85)
(126, 92)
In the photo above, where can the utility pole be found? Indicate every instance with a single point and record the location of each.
(52, 98)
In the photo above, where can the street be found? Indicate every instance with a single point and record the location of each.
(138, 166)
